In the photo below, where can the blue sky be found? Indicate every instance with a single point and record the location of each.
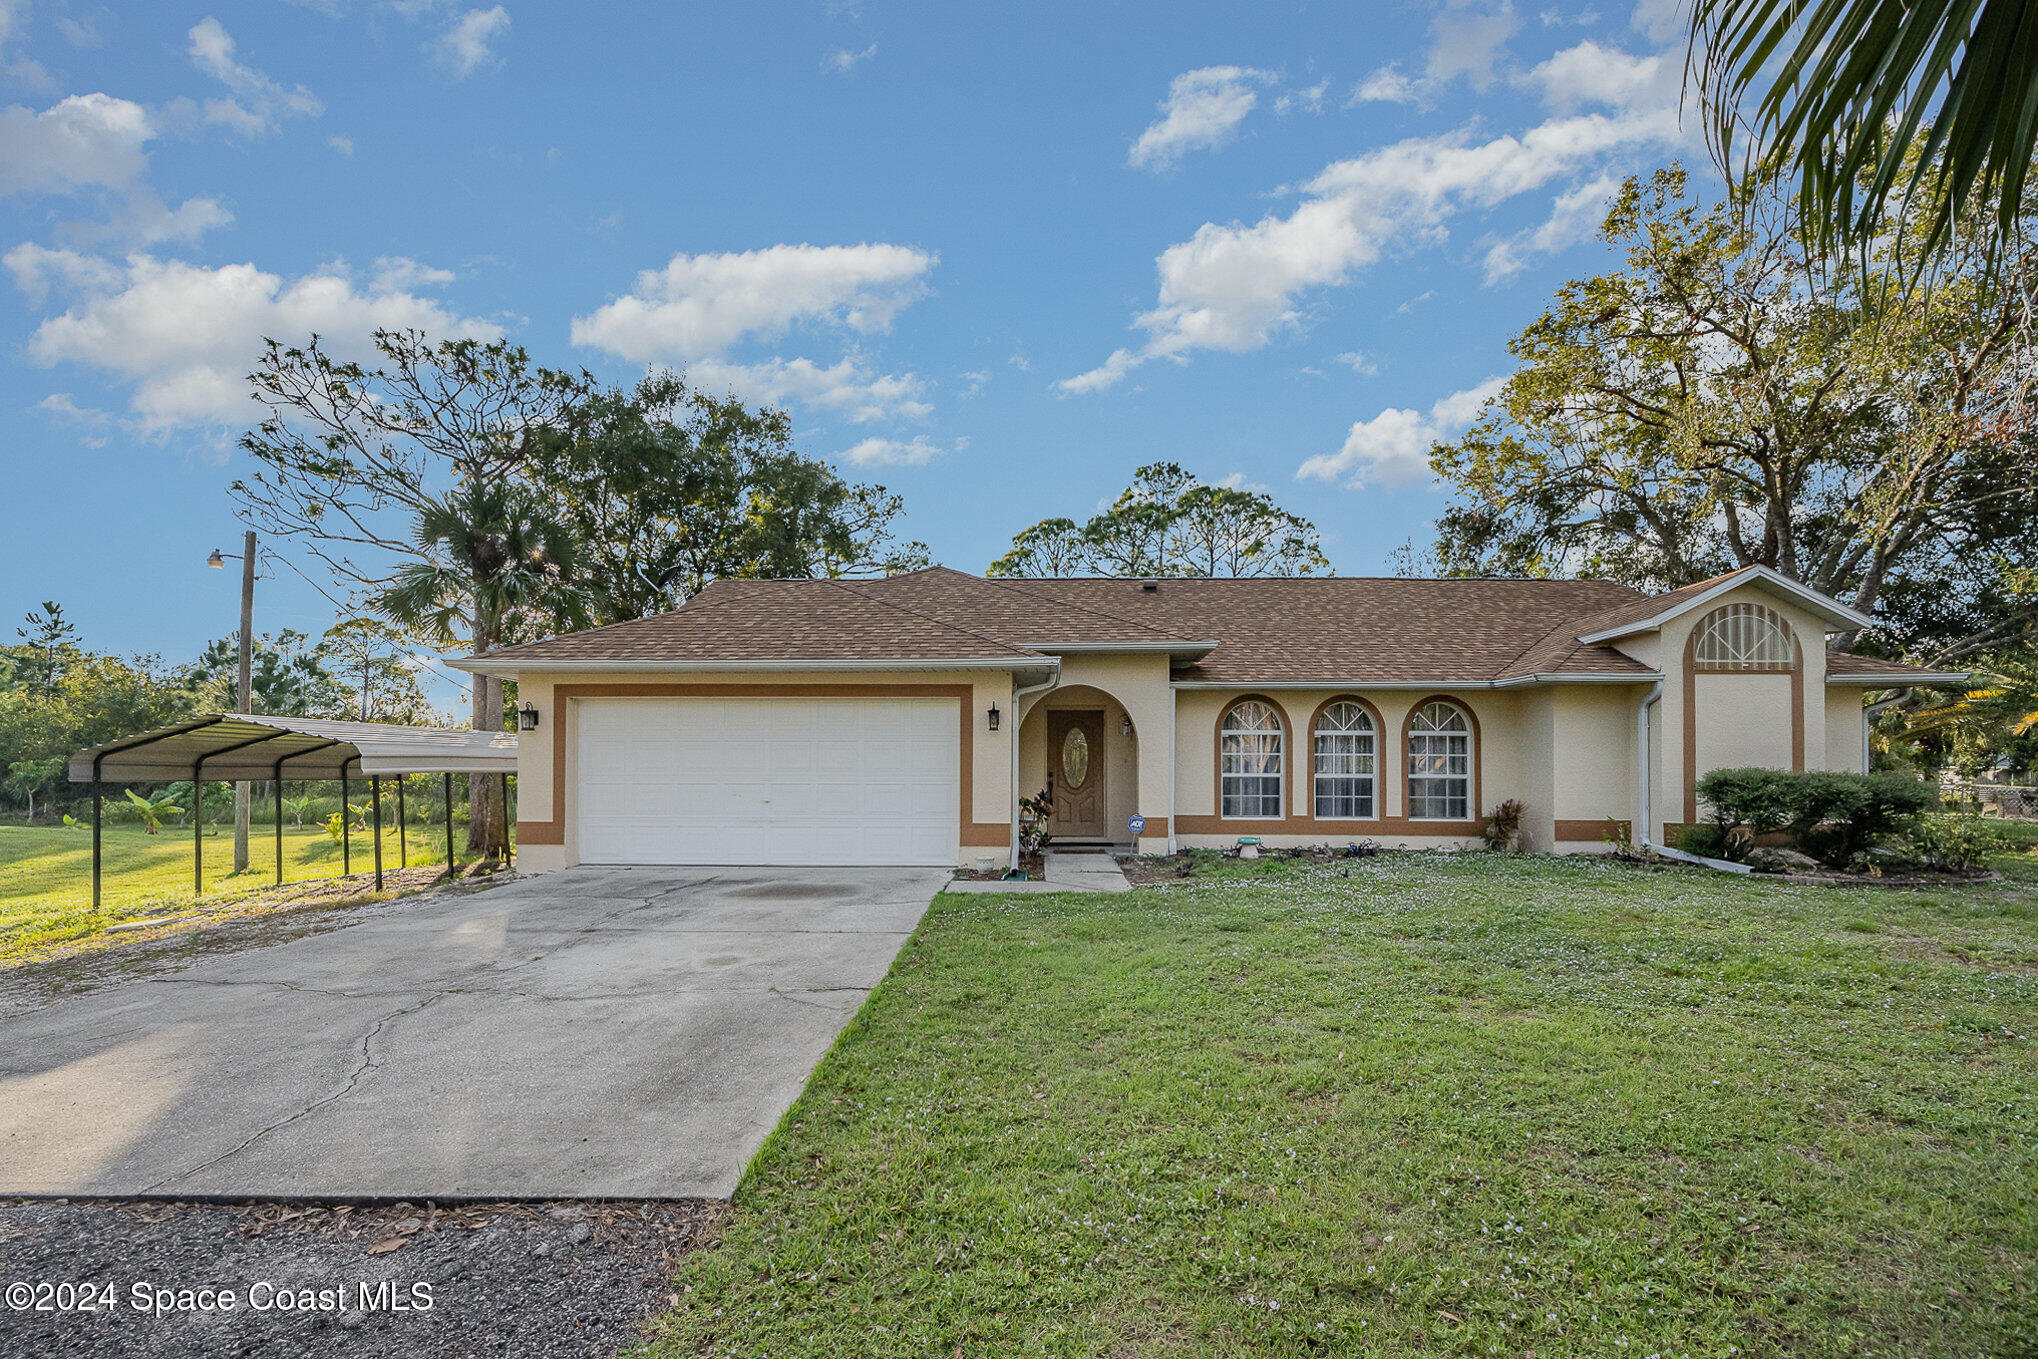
(994, 257)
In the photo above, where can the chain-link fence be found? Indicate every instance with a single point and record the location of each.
(2018, 801)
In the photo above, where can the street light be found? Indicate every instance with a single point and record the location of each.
(244, 695)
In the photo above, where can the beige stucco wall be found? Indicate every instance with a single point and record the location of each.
(539, 800)
(1741, 719)
(1846, 715)
(1594, 775)
(1505, 754)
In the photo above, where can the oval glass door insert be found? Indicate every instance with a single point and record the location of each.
(1075, 758)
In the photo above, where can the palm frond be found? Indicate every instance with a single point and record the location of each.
(1936, 99)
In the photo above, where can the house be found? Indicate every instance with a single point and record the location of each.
(901, 721)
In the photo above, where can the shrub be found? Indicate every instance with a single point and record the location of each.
(1834, 817)
(1704, 839)
(1954, 843)
(1762, 800)
(1502, 827)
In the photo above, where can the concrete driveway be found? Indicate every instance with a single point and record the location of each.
(602, 1032)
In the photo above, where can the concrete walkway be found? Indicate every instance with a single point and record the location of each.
(1064, 872)
(601, 1032)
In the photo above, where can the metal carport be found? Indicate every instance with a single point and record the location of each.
(231, 747)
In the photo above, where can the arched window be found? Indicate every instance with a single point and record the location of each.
(1249, 769)
(1742, 637)
(1344, 762)
(1439, 763)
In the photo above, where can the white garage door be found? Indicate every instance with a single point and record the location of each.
(768, 781)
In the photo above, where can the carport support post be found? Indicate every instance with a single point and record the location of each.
(402, 841)
(509, 848)
(346, 827)
(375, 800)
(97, 810)
(451, 866)
(197, 829)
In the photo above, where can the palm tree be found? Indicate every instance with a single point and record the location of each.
(1936, 98)
(492, 566)
(2000, 703)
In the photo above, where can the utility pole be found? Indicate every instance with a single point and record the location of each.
(244, 697)
(243, 801)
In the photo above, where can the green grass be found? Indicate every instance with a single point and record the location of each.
(1414, 1105)
(46, 874)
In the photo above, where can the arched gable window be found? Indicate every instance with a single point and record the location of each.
(1249, 767)
(1742, 637)
(1439, 763)
(1344, 752)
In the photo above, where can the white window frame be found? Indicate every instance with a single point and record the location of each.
(1267, 745)
(1365, 740)
(1452, 745)
(1743, 637)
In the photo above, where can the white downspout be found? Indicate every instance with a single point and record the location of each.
(1174, 701)
(1645, 777)
(1018, 716)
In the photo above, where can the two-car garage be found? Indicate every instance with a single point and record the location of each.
(715, 779)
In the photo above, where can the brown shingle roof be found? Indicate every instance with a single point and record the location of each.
(1334, 630)
(775, 620)
(1849, 665)
(1356, 629)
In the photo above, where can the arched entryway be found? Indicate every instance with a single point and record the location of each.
(1078, 746)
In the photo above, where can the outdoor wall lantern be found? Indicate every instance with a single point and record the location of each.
(527, 718)
(1125, 726)
(992, 717)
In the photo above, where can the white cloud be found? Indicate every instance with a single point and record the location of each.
(1388, 85)
(976, 381)
(848, 388)
(916, 452)
(87, 140)
(343, 145)
(1107, 374)
(1358, 363)
(1465, 41)
(1309, 100)
(1591, 74)
(1392, 448)
(842, 61)
(93, 424)
(1233, 287)
(399, 273)
(259, 104)
(1574, 216)
(465, 46)
(1202, 111)
(1660, 20)
(699, 305)
(183, 337)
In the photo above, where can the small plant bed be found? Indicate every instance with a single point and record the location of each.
(1150, 869)
(1033, 865)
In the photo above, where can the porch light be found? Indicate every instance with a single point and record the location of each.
(992, 717)
(527, 718)
(1125, 726)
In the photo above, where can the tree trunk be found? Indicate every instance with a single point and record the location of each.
(487, 824)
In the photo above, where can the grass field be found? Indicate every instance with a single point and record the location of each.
(46, 874)
(1413, 1105)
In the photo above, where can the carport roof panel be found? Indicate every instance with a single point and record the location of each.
(247, 746)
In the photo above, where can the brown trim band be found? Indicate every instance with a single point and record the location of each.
(1692, 670)
(972, 831)
(1588, 830)
(1309, 825)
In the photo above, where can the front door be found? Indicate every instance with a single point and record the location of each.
(1075, 774)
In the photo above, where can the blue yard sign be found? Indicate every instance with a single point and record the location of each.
(1135, 824)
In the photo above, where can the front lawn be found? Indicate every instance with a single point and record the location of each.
(1419, 1104)
(46, 874)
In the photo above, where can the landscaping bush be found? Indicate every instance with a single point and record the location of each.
(1833, 817)
(1502, 828)
(1954, 843)
(1704, 839)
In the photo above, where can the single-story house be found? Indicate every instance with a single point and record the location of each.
(903, 720)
